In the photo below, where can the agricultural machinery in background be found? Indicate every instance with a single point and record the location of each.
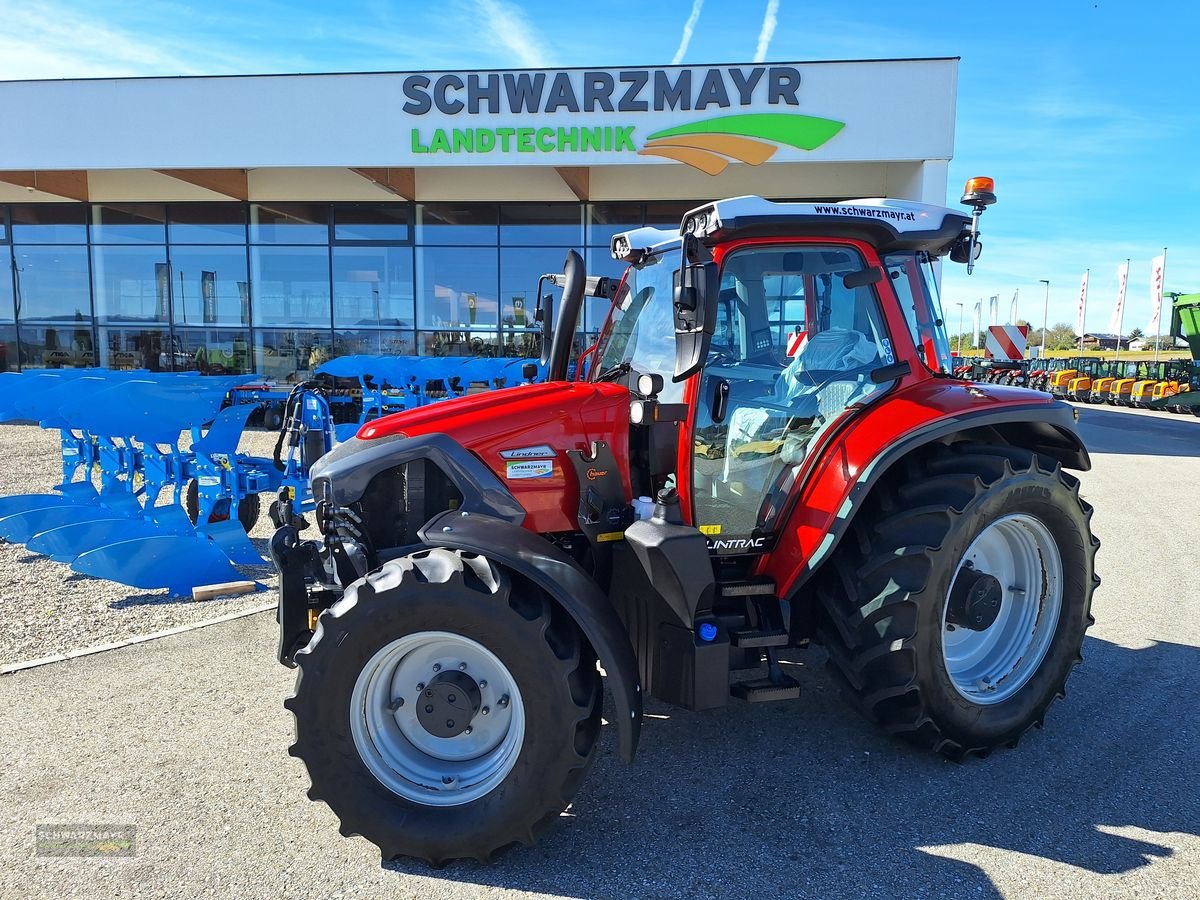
(154, 492)
(767, 449)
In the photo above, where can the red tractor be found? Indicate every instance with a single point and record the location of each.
(763, 449)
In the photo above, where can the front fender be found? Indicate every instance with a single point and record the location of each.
(535, 558)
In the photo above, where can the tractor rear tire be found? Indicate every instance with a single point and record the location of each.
(902, 635)
(379, 771)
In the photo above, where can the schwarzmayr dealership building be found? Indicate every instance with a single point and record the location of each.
(267, 223)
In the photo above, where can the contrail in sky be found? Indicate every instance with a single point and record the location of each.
(688, 27)
(768, 30)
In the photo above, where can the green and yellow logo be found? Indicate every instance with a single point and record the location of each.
(708, 145)
(753, 138)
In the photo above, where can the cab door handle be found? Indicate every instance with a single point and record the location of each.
(720, 401)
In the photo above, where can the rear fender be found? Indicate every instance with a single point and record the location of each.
(812, 534)
(535, 558)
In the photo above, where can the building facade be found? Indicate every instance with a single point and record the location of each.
(267, 223)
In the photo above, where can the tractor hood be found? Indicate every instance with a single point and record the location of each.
(522, 434)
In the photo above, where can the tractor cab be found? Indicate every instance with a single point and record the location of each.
(804, 302)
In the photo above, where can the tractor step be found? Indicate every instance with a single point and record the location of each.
(753, 638)
(762, 690)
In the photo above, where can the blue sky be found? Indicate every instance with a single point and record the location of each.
(1087, 114)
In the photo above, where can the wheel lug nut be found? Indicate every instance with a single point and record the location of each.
(429, 693)
(462, 667)
(485, 710)
(429, 707)
(421, 686)
(396, 704)
(437, 667)
(449, 723)
(469, 730)
(503, 701)
(446, 779)
(482, 685)
(451, 698)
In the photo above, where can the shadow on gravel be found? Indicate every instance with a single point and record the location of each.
(1108, 431)
(806, 799)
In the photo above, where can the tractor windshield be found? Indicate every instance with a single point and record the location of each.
(639, 337)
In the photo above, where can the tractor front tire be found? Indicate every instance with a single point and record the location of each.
(446, 708)
(955, 609)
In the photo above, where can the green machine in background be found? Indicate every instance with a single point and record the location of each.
(1185, 323)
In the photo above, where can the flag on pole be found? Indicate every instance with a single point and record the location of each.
(975, 324)
(1082, 314)
(993, 309)
(1157, 267)
(1012, 310)
(1118, 316)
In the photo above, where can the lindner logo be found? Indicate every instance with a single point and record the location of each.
(708, 144)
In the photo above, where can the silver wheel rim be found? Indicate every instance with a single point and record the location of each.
(406, 758)
(991, 665)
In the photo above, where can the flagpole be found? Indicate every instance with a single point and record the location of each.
(1121, 315)
(1083, 309)
(1158, 328)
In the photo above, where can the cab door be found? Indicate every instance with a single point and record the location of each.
(800, 335)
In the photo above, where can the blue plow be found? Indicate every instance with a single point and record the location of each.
(119, 512)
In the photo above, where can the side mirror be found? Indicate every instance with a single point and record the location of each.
(695, 302)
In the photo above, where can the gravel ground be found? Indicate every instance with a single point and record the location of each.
(185, 738)
(46, 608)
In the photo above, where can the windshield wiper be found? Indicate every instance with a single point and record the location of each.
(613, 372)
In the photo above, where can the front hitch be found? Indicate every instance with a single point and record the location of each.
(297, 562)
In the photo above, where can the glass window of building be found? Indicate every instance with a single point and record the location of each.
(132, 284)
(50, 223)
(289, 223)
(606, 219)
(52, 284)
(457, 223)
(214, 351)
(66, 345)
(458, 342)
(669, 213)
(3, 225)
(546, 224)
(140, 348)
(291, 355)
(129, 223)
(371, 222)
(520, 269)
(290, 286)
(209, 286)
(8, 308)
(374, 341)
(373, 286)
(9, 359)
(457, 287)
(207, 223)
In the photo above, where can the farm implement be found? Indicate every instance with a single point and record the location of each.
(389, 384)
(139, 504)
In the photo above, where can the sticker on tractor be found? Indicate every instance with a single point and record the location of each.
(710, 529)
(209, 480)
(541, 451)
(609, 536)
(888, 356)
(542, 468)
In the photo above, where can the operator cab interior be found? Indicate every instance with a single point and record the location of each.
(799, 334)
